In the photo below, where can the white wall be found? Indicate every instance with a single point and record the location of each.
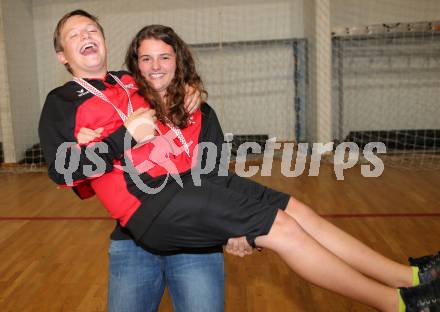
(6, 134)
(30, 24)
(309, 9)
(346, 13)
(22, 72)
(4, 85)
(196, 21)
(317, 30)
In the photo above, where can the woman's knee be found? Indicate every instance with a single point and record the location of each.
(285, 232)
(301, 212)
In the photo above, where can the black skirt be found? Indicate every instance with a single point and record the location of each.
(209, 214)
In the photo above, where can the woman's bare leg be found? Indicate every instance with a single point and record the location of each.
(319, 266)
(355, 253)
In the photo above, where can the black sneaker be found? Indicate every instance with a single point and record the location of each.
(429, 267)
(422, 298)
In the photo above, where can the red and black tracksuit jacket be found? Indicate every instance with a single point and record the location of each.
(70, 107)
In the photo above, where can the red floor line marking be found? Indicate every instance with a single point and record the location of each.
(381, 215)
(53, 218)
(325, 215)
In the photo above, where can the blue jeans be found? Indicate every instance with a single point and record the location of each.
(137, 280)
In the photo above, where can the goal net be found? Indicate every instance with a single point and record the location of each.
(294, 70)
(386, 86)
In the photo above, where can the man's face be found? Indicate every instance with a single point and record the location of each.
(83, 48)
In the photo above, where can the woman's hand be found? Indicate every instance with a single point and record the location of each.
(141, 124)
(193, 99)
(86, 135)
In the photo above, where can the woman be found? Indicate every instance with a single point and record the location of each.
(304, 240)
(223, 207)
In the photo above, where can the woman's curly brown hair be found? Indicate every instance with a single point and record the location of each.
(186, 75)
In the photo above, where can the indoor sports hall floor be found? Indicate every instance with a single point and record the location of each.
(53, 246)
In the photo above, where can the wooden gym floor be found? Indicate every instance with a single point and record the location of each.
(53, 246)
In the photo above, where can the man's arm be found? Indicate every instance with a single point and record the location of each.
(68, 162)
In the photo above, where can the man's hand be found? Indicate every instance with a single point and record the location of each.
(238, 246)
(86, 135)
(141, 124)
(193, 99)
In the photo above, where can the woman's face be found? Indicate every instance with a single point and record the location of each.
(157, 63)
